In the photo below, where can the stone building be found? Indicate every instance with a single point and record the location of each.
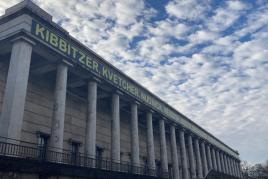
(68, 113)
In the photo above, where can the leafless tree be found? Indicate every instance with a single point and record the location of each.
(257, 171)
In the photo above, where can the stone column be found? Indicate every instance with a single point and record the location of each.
(222, 163)
(236, 168)
(230, 166)
(198, 159)
(163, 147)
(185, 172)
(16, 88)
(90, 144)
(218, 161)
(233, 164)
(191, 155)
(235, 171)
(135, 152)
(226, 164)
(204, 158)
(240, 170)
(214, 162)
(115, 143)
(150, 143)
(222, 170)
(174, 153)
(57, 130)
(209, 158)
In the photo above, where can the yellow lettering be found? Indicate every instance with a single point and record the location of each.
(88, 62)
(63, 45)
(74, 52)
(105, 72)
(119, 81)
(82, 58)
(95, 66)
(124, 84)
(47, 35)
(40, 30)
(53, 39)
(115, 79)
(111, 75)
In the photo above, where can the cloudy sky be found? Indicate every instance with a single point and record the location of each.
(208, 59)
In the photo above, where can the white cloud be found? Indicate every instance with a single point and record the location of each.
(169, 28)
(255, 21)
(203, 36)
(127, 11)
(225, 16)
(187, 9)
(237, 5)
(4, 5)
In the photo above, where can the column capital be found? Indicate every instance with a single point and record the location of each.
(163, 118)
(162, 121)
(135, 102)
(181, 128)
(150, 111)
(173, 124)
(191, 134)
(212, 147)
(66, 63)
(209, 145)
(188, 132)
(199, 138)
(202, 141)
(172, 127)
(227, 155)
(220, 151)
(215, 148)
(118, 92)
(94, 79)
(23, 38)
(196, 139)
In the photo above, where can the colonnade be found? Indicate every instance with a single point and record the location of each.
(198, 156)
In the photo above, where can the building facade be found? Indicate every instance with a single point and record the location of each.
(68, 113)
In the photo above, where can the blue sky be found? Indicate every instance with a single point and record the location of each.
(208, 59)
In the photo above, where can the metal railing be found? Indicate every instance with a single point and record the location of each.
(30, 151)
